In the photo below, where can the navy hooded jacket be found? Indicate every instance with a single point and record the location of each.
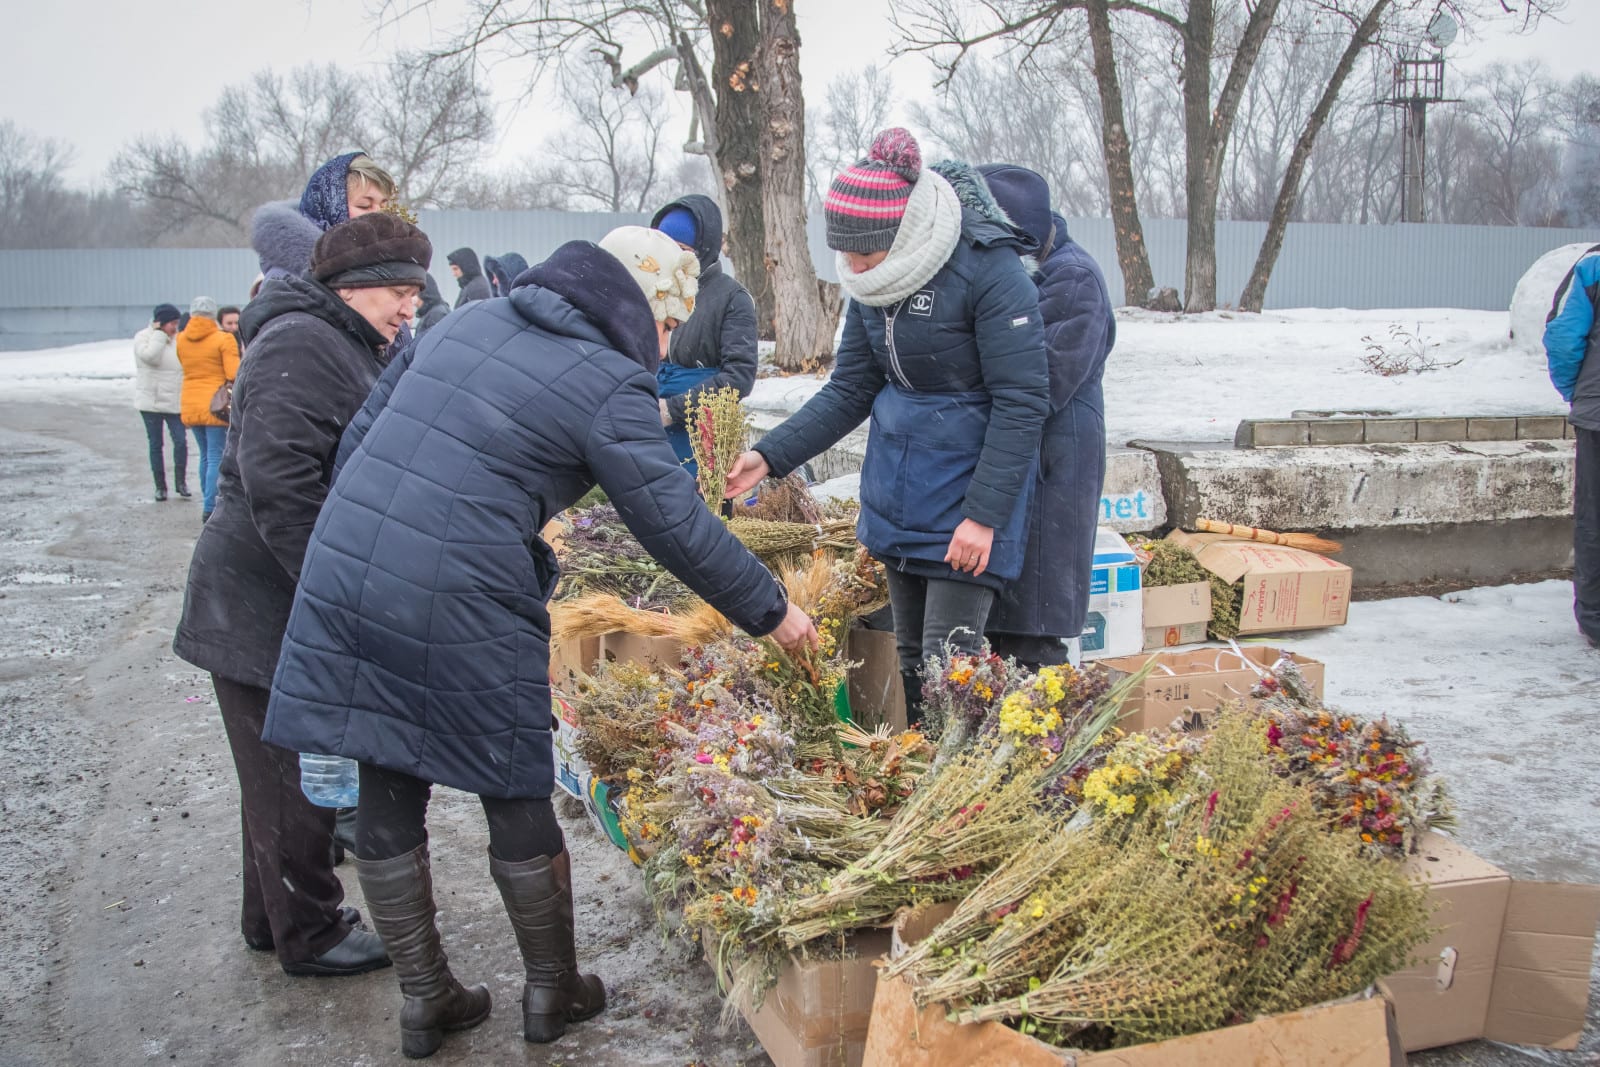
(721, 333)
(1050, 598)
(419, 638)
(954, 379)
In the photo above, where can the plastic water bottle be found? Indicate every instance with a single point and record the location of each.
(329, 781)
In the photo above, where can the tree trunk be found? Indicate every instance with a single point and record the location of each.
(735, 43)
(1255, 291)
(802, 328)
(1200, 265)
(1132, 254)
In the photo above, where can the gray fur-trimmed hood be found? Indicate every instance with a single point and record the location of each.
(283, 238)
(984, 221)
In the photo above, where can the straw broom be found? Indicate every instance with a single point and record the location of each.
(1305, 541)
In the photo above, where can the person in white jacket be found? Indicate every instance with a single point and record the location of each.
(158, 384)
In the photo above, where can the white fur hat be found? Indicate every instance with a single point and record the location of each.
(667, 274)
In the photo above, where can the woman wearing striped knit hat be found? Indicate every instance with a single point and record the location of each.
(944, 348)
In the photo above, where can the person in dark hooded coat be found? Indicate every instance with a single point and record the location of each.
(474, 286)
(944, 351)
(317, 344)
(419, 643)
(1049, 601)
(433, 307)
(716, 348)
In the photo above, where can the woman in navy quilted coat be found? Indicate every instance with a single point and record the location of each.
(1050, 601)
(943, 348)
(419, 642)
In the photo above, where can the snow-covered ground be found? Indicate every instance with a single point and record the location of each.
(100, 372)
(1193, 377)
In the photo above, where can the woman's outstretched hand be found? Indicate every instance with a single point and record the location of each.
(969, 547)
(796, 633)
(746, 473)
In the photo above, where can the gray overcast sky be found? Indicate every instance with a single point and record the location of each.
(96, 73)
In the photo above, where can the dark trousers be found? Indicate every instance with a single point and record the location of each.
(930, 613)
(391, 820)
(1586, 534)
(1030, 651)
(291, 895)
(153, 422)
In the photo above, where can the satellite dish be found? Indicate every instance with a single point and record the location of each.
(1442, 30)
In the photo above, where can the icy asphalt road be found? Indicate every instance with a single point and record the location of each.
(118, 809)
(119, 843)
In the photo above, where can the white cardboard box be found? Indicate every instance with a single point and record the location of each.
(1115, 625)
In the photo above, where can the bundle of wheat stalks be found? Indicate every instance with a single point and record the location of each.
(1228, 899)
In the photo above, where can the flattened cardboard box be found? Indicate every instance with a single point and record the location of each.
(1176, 614)
(1354, 1033)
(1511, 959)
(1189, 686)
(1284, 588)
(817, 1014)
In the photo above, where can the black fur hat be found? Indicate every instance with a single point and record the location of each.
(370, 251)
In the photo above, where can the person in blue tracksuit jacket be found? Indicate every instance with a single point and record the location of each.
(944, 348)
(1050, 601)
(1572, 347)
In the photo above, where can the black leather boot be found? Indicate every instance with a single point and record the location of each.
(911, 681)
(538, 898)
(399, 896)
(180, 483)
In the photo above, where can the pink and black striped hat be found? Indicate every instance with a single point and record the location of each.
(866, 202)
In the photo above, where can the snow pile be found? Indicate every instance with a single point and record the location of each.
(1501, 686)
(1530, 303)
(100, 372)
(1194, 377)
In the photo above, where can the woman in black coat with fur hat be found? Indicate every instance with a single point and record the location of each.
(419, 644)
(317, 345)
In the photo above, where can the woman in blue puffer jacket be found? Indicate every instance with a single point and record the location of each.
(944, 348)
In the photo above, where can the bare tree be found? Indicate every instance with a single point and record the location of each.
(37, 207)
(856, 107)
(608, 159)
(428, 122)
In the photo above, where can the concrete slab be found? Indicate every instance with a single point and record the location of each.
(1491, 429)
(1391, 431)
(1338, 431)
(1272, 433)
(1549, 427)
(1369, 486)
(1441, 429)
(1131, 500)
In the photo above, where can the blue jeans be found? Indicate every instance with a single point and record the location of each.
(154, 421)
(209, 440)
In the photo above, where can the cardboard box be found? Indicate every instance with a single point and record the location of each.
(817, 1015)
(1284, 588)
(877, 694)
(1115, 624)
(1357, 1032)
(646, 651)
(1188, 687)
(1176, 614)
(1511, 960)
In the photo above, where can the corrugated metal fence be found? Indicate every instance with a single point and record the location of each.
(67, 296)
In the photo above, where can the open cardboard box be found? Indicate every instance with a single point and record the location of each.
(1188, 687)
(1176, 614)
(1357, 1032)
(877, 695)
(1284, 588)
(1511, 959)
(817, 1014)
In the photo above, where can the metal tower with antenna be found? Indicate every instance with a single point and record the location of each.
(1418, 82)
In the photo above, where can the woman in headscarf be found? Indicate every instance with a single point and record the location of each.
(943, 348)
(419, 644)
(344, 188)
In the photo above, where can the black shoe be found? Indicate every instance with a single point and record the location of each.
(351, 917)
(181, 489)
(161, 495)
(361, 951)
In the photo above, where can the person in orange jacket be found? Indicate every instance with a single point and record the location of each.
(210, 358)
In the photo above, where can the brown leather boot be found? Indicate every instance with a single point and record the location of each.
(399, 896)
(538, 899)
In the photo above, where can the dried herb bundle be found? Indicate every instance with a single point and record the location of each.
(718, 434)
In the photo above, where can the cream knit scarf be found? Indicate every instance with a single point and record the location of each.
(928, 234)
